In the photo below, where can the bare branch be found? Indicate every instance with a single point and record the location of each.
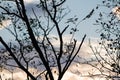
(16, 60)
(64, 29)
(61, 3)
(9, 13)
(75, 53)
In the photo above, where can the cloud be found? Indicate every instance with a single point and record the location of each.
(5, 23)
(76, 71)
(116, 11)
(31, 1)
(55, 40)
(32, 4)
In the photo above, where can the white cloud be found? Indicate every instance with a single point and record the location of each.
(116, 11)
(66, 39)
(85, 49)
(5, 23)
(76, 71)
(28, 1)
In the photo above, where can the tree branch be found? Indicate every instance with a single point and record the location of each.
(16, 60)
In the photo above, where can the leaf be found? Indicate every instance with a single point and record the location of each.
(100, 14)
(97, 7)
(89, 15)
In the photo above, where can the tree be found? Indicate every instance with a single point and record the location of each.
(33, 45)
(108, 56)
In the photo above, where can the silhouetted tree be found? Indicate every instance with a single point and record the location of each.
(33, 45)
(108, 55)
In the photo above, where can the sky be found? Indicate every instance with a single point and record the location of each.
(80, 8)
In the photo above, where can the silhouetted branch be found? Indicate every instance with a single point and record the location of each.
(16, 60)
(9, 13)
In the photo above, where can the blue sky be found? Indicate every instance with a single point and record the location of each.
(81, 8)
